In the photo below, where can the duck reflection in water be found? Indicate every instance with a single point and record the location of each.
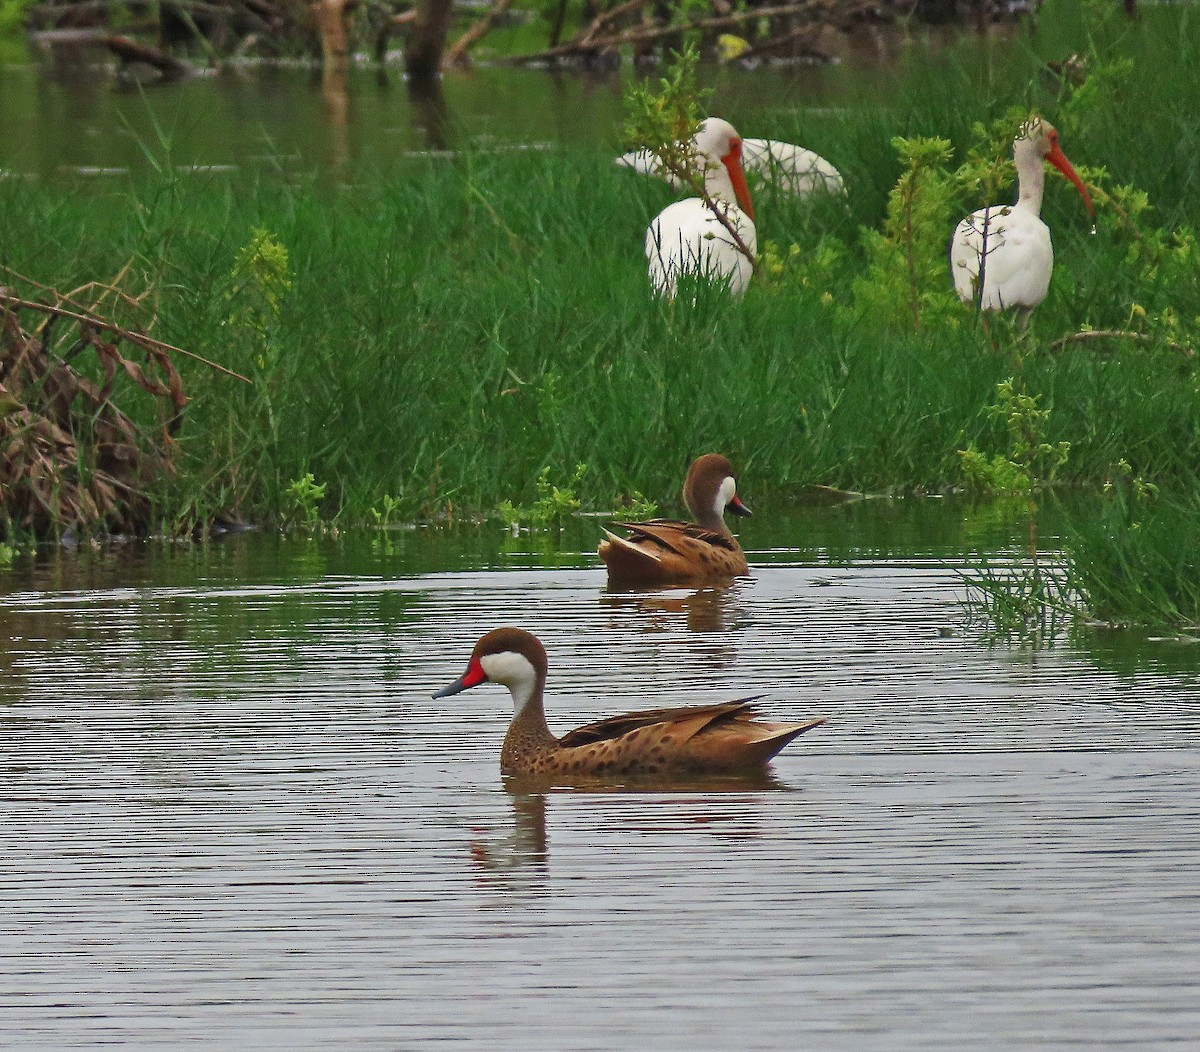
(523, 847)
(714, 608)
(682, 803)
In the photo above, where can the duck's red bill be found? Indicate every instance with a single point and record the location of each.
(471, 678)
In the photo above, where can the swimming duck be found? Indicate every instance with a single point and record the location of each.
(665, 551)
(710, 739)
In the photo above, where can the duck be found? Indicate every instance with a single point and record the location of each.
(668, 551)
(713, 239)
(1001, 257)
(784, 165)
(725, 738)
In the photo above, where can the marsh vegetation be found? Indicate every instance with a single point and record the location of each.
(429, 342)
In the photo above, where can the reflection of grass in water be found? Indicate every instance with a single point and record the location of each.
(1027, 602)
(1136, 563)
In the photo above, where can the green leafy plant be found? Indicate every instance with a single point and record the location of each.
(261, 277)
(1030, 461)
(552, 507)
(992, 474)
(905, 280)
(1023, 599)
(634, 507)
(305, 495)
(386, 512)
(663, 119)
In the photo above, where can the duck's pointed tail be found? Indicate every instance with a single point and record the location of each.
(777, 735)
(625, 560)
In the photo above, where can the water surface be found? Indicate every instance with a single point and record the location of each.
(267, 121)
(233, 813)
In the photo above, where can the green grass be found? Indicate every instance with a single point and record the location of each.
(1139, 561)
(451, 330)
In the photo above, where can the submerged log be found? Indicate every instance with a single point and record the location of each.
(129, 50)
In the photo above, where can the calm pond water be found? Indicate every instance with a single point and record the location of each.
(272, 120)
(233, 815)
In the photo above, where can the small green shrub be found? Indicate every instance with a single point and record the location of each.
(305, 495)
(552, 507)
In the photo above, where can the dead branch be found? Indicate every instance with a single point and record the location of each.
(605, 17)
(1116, 334)
(8, 300)
(456, 54)
(131, 51)
(643, 34)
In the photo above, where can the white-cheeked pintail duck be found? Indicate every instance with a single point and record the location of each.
(665, 551)
(701, 739)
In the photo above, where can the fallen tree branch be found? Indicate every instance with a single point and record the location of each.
(605, 17)
(7, 299)
(456, 54)
(131, 51)
(1116, 334)
(643, 34)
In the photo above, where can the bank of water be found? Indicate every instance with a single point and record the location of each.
(233, 813)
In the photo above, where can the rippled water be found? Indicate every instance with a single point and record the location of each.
(233, 814)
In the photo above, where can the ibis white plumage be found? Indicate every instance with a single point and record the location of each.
(690, 237)
(791, 168)
(1001, 257)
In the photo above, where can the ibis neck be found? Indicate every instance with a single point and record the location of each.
(718, 185)
(1031, 183)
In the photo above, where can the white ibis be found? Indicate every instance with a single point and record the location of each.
(790, 168)
(689, 237)
(1001, 256)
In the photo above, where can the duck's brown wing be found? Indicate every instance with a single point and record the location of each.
(695, 717)
(668, 532)
(714, 738)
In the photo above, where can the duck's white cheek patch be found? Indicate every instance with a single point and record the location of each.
(725, 494)
(514, 671)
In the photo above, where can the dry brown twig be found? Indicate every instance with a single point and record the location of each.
(640, 34)
(69, 456)
(1092, 335)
